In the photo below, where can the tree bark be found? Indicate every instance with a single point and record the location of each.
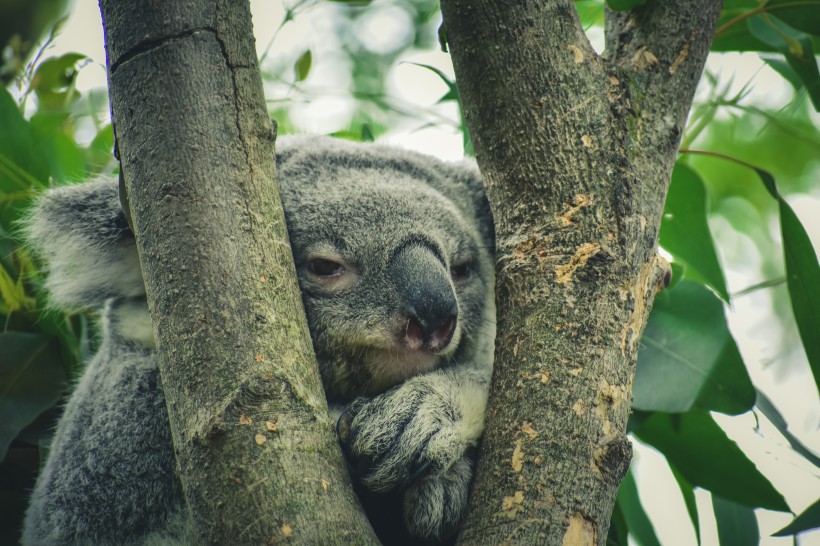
(576, 150)
(257, 454)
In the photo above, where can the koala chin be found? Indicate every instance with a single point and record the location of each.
(395, 257)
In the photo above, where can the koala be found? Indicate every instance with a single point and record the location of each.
(395, 259)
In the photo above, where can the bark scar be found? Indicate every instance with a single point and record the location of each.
(682, 57)
(643, 59)
(581, 201)
(581, 531)
(649, 281)
(565, 272)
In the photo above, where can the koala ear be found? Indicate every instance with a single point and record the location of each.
(83, 237)
(467, 177)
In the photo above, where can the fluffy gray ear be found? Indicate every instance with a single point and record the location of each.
(88, 250)
(466, 175)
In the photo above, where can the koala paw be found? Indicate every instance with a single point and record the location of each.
(414, 434)
(435, 505)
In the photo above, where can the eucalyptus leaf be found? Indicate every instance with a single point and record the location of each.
(700, 450)
(801, 14)
(795, 46)
(618, 530)
(685, 232)
(802, 274)
(31, 381)
(302, 65)
(53, 81)
(688, 493)
(688, 359)
(779, 65)
(20, 167)
(767, 408)
(452, 88)
(98, 154)
(807, 520)
(736, 524)
(732, 33)
(640, 528)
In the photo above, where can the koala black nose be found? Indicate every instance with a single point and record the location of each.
(427, 297)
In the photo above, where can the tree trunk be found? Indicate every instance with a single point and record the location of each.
(257, 455)
(576, 150)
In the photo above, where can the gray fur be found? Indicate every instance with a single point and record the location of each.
(401, 224)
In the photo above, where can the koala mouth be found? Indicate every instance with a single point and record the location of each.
(389, 367)
(417, 349)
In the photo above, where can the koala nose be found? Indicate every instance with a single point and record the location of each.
(434, 338)
(427, 298)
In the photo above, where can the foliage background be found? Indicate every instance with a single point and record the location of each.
(726, 404)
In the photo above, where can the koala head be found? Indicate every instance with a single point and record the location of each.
(393, 252)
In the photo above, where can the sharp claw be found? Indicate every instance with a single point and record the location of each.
(418, 469)
(365, 466)
(343, 427)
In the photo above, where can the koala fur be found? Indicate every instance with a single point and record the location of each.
(394, 254)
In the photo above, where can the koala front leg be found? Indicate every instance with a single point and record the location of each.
(418, 435)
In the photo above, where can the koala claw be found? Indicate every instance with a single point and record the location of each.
(435, 505)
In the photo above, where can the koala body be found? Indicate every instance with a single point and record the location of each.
(394, 254)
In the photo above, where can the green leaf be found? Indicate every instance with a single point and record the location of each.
(802, 274)
(31, 381)
(367, 133)
(796, 46)
(699, 449)
(779, 65)
(803, 281)
(732, 34)
(452, 88)
(452, 94)
(20, 168)
(685, 232)
(302, 65)
(633, 513)
(618, 530)
(688, 493)
(688, 359)
(60, 153)
(13, 292)
(807, 520)
(53, 81)
(624, 5)
(736, 524)
(801, 14)
(765, 406)
(99, 153)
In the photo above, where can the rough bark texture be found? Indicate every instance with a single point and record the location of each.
(576, 150)
(256, 452)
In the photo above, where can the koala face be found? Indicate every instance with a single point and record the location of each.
(394, 274)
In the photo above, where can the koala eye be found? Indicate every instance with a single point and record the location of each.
(322, 267)
(460, 272)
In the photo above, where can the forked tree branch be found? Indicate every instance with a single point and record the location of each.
(576, 151)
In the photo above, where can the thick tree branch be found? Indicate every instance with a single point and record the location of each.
(661, 47)
(257, 455)
(576, 157)
(657, 53)
(556, 89)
